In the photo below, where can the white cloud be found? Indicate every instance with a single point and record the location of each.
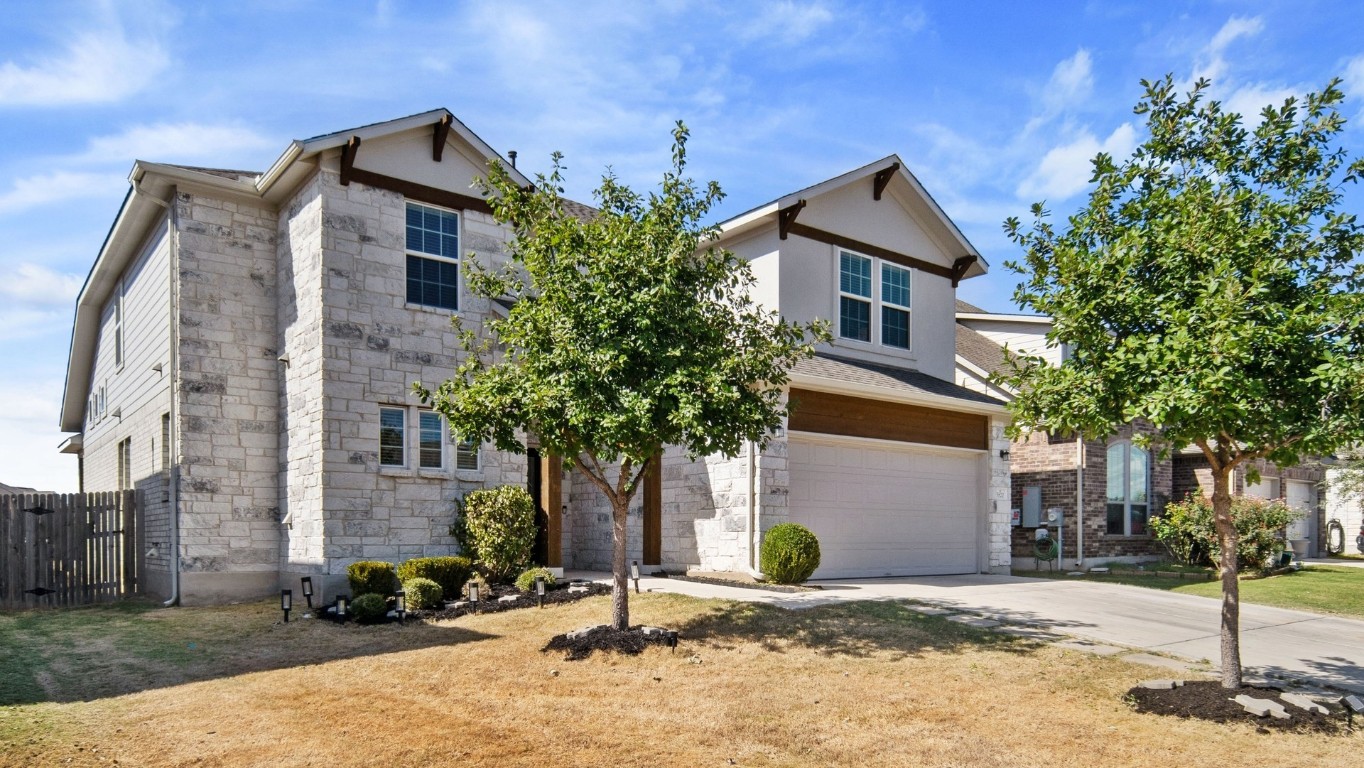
(786, 22)
(34, 284)
(1065, 170)
(175, 142)
(1071, 81)
(915, 19)
(29, 437)
(98, 65)
(1353, 81)
(34, 191)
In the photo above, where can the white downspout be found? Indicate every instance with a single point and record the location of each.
(752, 511)
(1080, 503)
(173, 515)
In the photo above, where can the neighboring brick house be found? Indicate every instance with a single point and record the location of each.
(245, 344)
(1122, 485)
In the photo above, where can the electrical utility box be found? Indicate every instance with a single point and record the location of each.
(1032, 506)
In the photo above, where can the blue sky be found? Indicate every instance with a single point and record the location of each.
(992, 105)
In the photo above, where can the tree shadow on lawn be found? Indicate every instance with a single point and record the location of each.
(855, 629)
(1335, 671)
(83, 654)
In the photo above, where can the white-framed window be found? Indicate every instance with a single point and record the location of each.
(873, 300)
(393, 437)
(125, 464)
(1129, 483)
(426, 440)
(118, 326)
(432, 256)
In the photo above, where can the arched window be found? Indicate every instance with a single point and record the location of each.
(1129, 478)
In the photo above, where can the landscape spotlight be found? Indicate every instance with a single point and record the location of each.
(1353, 706)
(341, 602)
(400, 603)
(634, 574)
(540, 590)
(308, 590)
(286, 602)
(473, 591)
(672, 640)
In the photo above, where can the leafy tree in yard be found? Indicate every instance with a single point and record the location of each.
(628, 331)
(1212, 287)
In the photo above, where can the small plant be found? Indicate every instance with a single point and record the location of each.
(483, 593)
(371, 577)
(790, 553)
(369, 608)
(526, 581)
(422, 593)
(449, 572)
(501, 529)
(1187, 530)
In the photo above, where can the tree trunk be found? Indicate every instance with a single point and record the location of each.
(1231, 594)
(620, 590)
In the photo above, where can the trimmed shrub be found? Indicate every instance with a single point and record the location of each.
(501, 525)
(371, 577)
(369, 608)
(449, 572)
(483, 592)
(1187, 530)
(790, 553)
(526, 581)
(422, 593)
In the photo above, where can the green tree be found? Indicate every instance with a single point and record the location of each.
(628, 330)
(1212, 287)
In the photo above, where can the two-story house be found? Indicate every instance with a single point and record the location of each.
(1117, 484)
(245, 344)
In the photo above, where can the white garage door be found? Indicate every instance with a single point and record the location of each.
(886, 511)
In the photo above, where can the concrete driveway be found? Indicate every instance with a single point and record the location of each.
(1316, 649)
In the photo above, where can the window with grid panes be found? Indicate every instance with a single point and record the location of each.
(392, 437)
(854, 296)
(432, 256)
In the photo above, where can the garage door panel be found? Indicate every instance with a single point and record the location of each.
(886, 511)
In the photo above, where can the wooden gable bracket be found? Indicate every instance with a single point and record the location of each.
(787, 216)
(959, 268)
(883, 178)
(348, 153)
(438, 138)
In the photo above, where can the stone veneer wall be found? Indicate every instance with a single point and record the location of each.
(999, 557)
(374, 346)
(226, 383)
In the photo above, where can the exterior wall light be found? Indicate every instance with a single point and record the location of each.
(286, 602)
(1004, 454)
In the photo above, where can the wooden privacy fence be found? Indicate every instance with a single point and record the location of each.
(69, 549)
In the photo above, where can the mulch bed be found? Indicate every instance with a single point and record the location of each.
(631, 642)
(553, 595)
(1208, 700)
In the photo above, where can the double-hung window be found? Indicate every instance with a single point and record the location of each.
(427, 441)
(432, 257)
(1129, 479)
(860, 295)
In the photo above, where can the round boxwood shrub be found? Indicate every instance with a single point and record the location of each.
(371, 577)
(790, 553)
(422, 593)
(449, 572)
(526, 581)
(501, 524)
(369, 608)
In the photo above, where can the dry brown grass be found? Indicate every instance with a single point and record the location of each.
(865, 684)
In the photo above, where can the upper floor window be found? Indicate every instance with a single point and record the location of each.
(1129, 480)
(432, 256)
(859, 294)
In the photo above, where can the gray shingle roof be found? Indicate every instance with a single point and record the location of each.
(226, 173)
(827, 366)
(970, 308)
(980, 351)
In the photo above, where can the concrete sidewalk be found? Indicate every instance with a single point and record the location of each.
(1316, 649)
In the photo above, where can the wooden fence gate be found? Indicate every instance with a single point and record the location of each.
(69, 549)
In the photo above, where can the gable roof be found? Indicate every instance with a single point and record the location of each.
(978, 350)
(768, 212)
(150, 187)
(899, 383)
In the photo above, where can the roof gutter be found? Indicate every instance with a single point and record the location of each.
(888, 394)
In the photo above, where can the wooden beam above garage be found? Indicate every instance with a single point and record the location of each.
(832, 414)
